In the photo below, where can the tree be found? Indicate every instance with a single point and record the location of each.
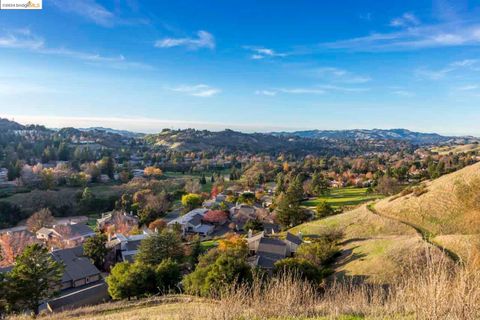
(157, 225)
(12, 244)
(152, 172)
(95, 248)
(160, 246)
(324, 209)
(319, 185)
(297, 267)
(288, 212)
(215, 216)
(48, 179)
(388, 185)
(40, 219)
(87, 199)
(107, 166)
(128, 280)
(191, 201)
(319, 252)
(211, 277)
(254, 225)
(247, 198)
(167, 275)
(35, 277)
(193, 186)
(295, 190)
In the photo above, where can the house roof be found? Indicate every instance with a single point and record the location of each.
(270, 228)
(186, 218)
(272, 246)
(195, 220)
(92, 294)
(204, 228)
(294, 239)
(133, 245)
(76, 265)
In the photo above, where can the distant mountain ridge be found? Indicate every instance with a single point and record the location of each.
(418, 138)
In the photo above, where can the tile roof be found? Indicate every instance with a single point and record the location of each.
(87, 295)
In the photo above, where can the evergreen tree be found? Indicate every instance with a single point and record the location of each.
(95, 248)
(34, 278)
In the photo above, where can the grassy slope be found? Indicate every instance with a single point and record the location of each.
(438, 211)
(343, 197)
(372, 244)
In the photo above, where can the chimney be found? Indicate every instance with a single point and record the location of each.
(300, 235)
(250, 233)
(109, 237)
(156, 230)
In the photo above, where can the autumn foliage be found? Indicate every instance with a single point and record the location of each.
(215, 216)
(12, 244)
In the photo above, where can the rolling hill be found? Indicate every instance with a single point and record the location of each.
(417, 138)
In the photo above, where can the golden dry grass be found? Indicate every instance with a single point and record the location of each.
(433, 288)
(439, 211)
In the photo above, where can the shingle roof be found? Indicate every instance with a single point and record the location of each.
(76, 265)
(272, 246)
(196, 220)
(95, 293)
(133, 245)
(294, 239)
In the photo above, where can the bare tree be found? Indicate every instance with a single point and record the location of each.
(40, 219)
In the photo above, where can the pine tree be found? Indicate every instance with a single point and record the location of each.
(34, 278)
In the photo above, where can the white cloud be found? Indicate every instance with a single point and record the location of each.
(199, 90)
(318, 89)
(266, 93)
(469, 87)
(89, 9)
(21, 39)
(403, 93)
(204, 40)
(406, 20)
(414, 37)
(25, 39)
(262, 53)
(442, 73)
(338, 75)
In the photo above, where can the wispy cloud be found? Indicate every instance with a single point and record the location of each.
(25, 39)
(89, 9)
(406, 20)
(270, 93)
(204, 40)
(259, 53)
(403, 93)
(8, 89)
(442, 73)
(468, 87)
(338, 75)
(318, 89)
(413, 35)
(199, 90)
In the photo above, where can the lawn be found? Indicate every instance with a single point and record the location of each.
(341, 197)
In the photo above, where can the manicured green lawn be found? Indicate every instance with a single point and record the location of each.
(340, 197)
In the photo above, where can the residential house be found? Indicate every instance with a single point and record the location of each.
(242, 213)
(67, 235)
(82, 283)
(126, 247)
(265, 251)
(116, 218)
(191, 222)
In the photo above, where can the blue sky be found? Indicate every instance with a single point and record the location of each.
(248, 65)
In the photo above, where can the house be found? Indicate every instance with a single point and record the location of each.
(82, 283)
(265, 251)
(116, 218)
(67, 235)
(126, 247)
(243, 213)
(138, 173)
(191, 222)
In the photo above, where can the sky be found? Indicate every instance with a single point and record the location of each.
(249, 65)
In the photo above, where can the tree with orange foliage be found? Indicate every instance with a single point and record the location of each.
(158, 225)
(12, 244)
(233, 243)
(152, 172)
(215, 216)
(40, 219)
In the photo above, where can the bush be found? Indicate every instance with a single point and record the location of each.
(299, 267)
